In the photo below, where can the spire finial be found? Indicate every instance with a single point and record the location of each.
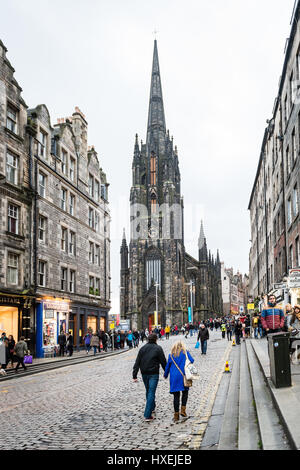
(155, 32)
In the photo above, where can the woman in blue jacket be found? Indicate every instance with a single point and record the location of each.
(175, 367)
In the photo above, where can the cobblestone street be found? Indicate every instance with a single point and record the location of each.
(97, 405)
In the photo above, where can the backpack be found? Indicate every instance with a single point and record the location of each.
(255, 320)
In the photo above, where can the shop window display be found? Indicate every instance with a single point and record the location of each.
(9, 321)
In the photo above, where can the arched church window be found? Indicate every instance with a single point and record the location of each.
(153, 269)
(153, 205)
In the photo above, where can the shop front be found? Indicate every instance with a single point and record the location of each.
(52, 319)
(84, 319)
(16, 317)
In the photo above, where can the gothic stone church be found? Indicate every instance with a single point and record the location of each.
(156, 270)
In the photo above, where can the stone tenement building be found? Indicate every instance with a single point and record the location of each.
(234, 291)
(274, 201)
(55, 222)
(156, 268)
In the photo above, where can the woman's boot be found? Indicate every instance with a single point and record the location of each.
(176, 417)
(183, 412)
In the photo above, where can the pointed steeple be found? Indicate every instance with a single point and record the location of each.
(136, 152)
(124, 252)
(202, 245)
(201, 240)
(156, 116)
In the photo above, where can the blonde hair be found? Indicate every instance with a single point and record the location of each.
(291, 310)
(177, 348)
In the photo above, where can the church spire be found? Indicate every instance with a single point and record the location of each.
(156, 114)
(201, 240)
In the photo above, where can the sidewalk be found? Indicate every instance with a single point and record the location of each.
(286, 400)
(76, 354)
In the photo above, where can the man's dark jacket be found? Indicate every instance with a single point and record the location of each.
(62, 339)
(148, 360)
(203, 334)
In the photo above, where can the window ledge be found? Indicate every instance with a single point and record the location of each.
(15, 235)
(16, 136)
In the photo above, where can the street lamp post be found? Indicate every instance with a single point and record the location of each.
(156, 301)
(191, 299)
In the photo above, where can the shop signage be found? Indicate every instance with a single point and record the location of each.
(112, 326)
(241, 309)
(124, 325)
(279, 286)
(294, 278)
(49, 314)
(56, 305)
(9, 300)
(250, 306)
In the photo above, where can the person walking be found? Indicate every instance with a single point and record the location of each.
(272, 317)
(143, 336)
(255, 325)
(175, 367)
(87, 342)
(148, 360)
(129, 339)
(62, 341)
(203, 337)
(70, 344)
(21, 350)
(238, 331)
(167, 330)
(11, 349)
(136, 338)
(229, 331)
(247, 326)
(288, 314)
(5, 347)
(223, 329)
(122, 339)
(95, 342)
(103, 339)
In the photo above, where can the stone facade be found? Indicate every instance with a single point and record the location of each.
(62, 237)
(156, 268)
(274, 202)
(16, 310)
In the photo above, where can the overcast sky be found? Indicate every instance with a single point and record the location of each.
(220, 63)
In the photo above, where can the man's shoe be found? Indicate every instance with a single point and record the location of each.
(183, 412)
(149, 419)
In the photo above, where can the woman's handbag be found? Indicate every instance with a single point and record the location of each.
(190, 370)
(186, 382)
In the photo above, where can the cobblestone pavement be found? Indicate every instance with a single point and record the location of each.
(98, 406)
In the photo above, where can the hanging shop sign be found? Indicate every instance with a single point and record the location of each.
(294, 278)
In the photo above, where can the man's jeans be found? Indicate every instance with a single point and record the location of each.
(150, 382)
(203, 346)
(255, 332)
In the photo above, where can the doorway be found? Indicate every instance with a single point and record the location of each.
(151, 320)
